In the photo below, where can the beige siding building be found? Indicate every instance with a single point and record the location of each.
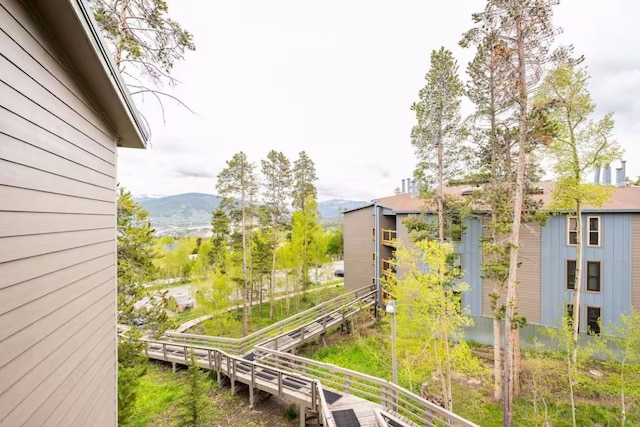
(63, 111)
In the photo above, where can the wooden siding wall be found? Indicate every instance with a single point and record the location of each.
(358, 247)
(470, 250)
(635, 261)
(615, 256)
(57, 237)
(529, 276)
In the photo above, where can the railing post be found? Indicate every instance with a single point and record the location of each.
(279, 384)
(252, 385)
(185, 354)
(164, 351)
(209, 358)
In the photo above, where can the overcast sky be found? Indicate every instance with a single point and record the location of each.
(336, 79)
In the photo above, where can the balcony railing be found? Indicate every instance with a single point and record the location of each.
(388, 267)
(389, 237)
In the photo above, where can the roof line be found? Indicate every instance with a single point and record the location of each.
(99, 46)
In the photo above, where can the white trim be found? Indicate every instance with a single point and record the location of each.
(599, 231)
(568, 228)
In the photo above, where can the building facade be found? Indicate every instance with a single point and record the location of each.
(546, 276)
(63, 111)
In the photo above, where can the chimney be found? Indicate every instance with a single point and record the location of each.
(596, 176)
(606, 176)
(403, 187)
(623, 173)
(414, 188)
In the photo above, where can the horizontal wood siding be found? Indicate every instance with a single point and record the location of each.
(57, 236)
(635, 261)
(358, 247)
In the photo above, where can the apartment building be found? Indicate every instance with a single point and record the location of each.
(64, 110)
(611, 268)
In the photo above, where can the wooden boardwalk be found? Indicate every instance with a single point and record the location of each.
(327, 395)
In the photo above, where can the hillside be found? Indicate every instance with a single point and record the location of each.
(190, 213)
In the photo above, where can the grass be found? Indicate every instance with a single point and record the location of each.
(158, 392)
(597, 397)
(231, 325)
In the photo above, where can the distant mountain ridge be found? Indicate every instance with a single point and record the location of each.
(193, 210)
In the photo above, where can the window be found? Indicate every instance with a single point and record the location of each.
(593, 320)
(571, 274)
(373, 233)
(572, 230)
(373, 258)
(593, 276)
(593, 231)
(570, 316)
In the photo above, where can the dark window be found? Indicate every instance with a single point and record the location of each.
(593, 276)
(373, 258)
(571, 274)
(594, 230)
(593, 320)
(572, 224)
(570, 315)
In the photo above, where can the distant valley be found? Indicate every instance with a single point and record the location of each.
(190, 213)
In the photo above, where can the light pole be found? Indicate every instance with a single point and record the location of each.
(391, 309)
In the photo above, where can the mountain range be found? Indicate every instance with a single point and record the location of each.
(190, 213)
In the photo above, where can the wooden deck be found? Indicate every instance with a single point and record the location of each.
(326, 394)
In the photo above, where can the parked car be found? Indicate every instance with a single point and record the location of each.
(339, 272)
(184, 302)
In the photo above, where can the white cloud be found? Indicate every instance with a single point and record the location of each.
(336, 79)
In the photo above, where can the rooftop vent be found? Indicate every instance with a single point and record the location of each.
(467, 191)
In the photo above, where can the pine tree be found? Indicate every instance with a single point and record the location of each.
(304, 178)
(238, 186)
(194, 403)
(277, 190)
(436, 137)
(526, 30)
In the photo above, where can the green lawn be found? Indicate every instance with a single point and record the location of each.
(598, 402)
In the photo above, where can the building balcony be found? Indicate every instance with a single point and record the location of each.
(388, 267)
(389, 237)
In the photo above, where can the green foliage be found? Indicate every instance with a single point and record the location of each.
(436, 137)
(335, 243)
(306, 239)
(194, 403)
(579, 143)
(304, 178)
(131, 367)
(430, 318)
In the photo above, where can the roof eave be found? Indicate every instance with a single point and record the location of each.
(71, 23)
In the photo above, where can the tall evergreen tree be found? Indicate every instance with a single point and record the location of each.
(436, 137)
(526, 30)
(276, 170)
(304, 178)
(238, 186)
(492, 132)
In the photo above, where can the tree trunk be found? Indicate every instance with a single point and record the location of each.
(245, 299)
(497, 359)
(577, 289)
(272, 279)
(515, 231)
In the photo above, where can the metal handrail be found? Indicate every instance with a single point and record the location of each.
(388, 394)
(246, 344)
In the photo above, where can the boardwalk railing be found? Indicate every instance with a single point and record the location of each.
(406, 404)
(300, 380)
(342, 306)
